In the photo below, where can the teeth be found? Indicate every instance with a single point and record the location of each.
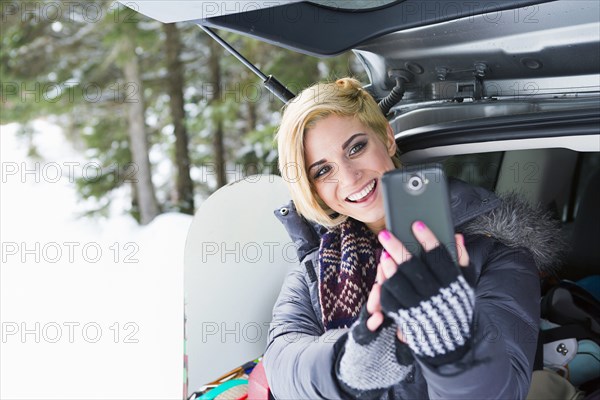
(363, 193)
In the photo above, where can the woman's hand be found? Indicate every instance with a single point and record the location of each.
(396, 253)
(374, 302)
(428, 298)
(399, 254)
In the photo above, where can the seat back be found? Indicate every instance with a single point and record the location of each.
(236, 257)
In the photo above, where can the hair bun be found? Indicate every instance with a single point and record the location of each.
(351, 87)
(348, 83)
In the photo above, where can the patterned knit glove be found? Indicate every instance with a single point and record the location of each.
(432, 304)
(370, 362)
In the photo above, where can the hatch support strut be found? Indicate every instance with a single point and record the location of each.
(270, 82)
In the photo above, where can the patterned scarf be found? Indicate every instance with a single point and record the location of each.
(347, 270)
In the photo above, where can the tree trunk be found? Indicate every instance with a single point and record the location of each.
(215, 79)
(251, 168)
(134, 101)
(175, 81)
(252, 117)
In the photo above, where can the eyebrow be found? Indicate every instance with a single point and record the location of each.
(344, 146)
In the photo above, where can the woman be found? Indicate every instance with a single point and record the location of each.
(360, 317)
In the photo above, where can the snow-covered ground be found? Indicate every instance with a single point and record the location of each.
(89, 308)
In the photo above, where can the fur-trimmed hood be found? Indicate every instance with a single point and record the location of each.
(516, 223)
(509, 218)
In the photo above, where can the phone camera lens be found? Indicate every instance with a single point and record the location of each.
(415, 183)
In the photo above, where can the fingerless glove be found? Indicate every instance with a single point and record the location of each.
(432, 303)
(370, 362)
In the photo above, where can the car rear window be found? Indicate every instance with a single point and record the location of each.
(479, 169)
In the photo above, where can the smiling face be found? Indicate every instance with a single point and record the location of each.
(345, 161)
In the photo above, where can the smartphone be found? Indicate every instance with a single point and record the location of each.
(419, 193)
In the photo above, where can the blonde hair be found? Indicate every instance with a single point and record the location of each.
(345, 98)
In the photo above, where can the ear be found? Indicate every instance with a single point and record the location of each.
(391, 141)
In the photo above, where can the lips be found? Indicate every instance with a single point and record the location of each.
(364, 193)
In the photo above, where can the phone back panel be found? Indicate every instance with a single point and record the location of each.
(405, 204)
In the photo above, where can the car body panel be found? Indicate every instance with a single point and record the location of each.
(512, 52)
(325, 31)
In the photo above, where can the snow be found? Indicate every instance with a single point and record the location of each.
(89, 307)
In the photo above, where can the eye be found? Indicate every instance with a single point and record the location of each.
(357, 148)
(322, 171)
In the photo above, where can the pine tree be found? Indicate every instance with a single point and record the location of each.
(126, 86)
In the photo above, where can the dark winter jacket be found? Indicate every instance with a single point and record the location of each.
(506, 240)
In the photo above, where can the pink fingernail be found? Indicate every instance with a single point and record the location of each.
(385, 235)
(419, 225)
(385, 255)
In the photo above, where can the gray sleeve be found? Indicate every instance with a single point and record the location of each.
(499, 363)
(299, 360)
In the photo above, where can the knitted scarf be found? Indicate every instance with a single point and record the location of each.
(347, 270)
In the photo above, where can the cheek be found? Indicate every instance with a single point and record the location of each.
(326, 192)
(385, 161)
(390, 164)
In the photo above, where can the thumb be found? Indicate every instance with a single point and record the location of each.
(375, 321)
(461, 250)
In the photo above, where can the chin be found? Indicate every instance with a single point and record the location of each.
(370, 218)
